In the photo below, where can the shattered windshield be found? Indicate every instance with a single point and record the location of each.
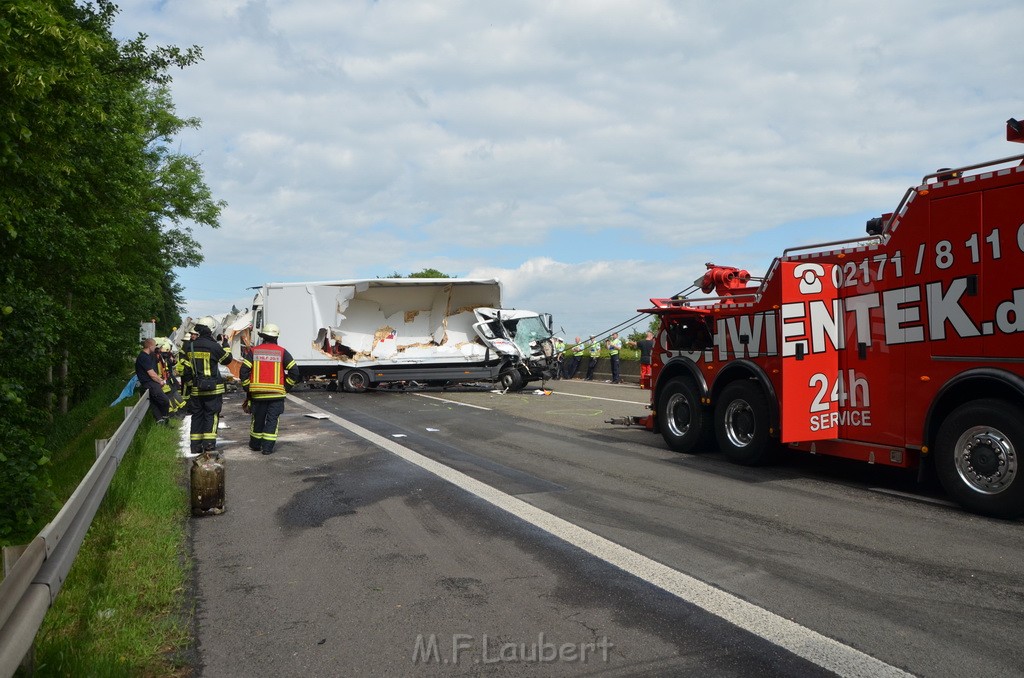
(524, 330)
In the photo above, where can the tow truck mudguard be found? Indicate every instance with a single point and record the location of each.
(981, 382)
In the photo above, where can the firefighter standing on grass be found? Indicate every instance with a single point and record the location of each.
(204, 356)
(166, 365)
(266, 375)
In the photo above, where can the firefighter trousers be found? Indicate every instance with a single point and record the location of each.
(205, 411)
(263, 428)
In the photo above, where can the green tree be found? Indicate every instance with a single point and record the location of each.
(429, 273)
(95, 211)
(653, 326)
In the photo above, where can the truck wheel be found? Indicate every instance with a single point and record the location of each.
(685, 424)
(977, 457)
(355, 381)
(511, 380)
(741, 424)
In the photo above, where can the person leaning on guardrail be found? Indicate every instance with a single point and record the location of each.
(149, 379)
(267, 373)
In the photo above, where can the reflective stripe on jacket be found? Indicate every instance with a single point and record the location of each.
(267, 370)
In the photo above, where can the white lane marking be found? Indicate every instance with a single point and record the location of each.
(453, 402)
(810, 645)
(614, 400)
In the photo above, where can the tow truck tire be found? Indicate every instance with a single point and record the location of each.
(685, 424)
(741, 424)
(355, 381)
(978, 457)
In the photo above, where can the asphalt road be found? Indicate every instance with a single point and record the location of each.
(345, 554)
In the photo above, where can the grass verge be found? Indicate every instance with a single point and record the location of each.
(120, 610)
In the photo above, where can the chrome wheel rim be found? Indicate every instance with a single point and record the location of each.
(739, 423)
(986, 459)
(678, 415)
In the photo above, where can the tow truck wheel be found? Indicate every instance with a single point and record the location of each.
(685, 424)
(355, 381)
(741, 424)
(977, 457)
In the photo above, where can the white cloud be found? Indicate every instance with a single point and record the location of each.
(614, 136)
(589, 297)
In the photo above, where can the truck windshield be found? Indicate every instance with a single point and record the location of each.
(524, 330)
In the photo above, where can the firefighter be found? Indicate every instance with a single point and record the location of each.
(204, 355)
(181, 367)
(266, 375)
(594, 348)
(165, 367)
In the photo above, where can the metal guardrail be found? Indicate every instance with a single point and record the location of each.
(30, 588)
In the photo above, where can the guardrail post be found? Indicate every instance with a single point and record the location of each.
(10, 556)
(101, 444)
(128, 410)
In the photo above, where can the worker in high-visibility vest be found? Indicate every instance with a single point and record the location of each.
(165, 365)
(614, 345)
(578, 349)
(181, 368)
(267, 373)
(557, 358)
(594, 348)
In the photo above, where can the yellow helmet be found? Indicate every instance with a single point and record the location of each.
(270, 330)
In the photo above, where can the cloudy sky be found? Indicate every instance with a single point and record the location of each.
(589, 153)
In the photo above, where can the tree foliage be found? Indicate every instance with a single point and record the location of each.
(429, 273)
(96, 209)
(425, 273)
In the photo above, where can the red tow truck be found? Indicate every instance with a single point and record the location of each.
(903, 348)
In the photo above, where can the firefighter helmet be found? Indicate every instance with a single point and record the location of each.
(270, 330)
(207, 322)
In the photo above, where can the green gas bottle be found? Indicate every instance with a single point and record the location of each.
(207, 484)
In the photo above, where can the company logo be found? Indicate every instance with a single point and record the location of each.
(810, 276)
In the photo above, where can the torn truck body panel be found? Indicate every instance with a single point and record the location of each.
(389, 328)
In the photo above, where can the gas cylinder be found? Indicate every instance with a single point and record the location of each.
(207, 484)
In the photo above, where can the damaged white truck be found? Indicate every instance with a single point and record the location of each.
(438, 331)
